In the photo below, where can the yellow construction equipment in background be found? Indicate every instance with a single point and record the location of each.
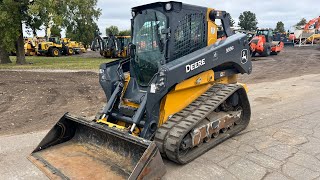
(54, 47)
(76, 47)
(123, 42)
(82, 47)
(112, 46)
(30, 47)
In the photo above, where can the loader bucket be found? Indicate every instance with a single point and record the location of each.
(79, 149)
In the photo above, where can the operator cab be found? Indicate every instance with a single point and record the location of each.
(54, 40)
(149, 43)
(162, 33)
(267, 33)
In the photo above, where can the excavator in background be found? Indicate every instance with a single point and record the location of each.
(307, 34)
(177, 94)
(315, 22)
(264, 45)
(314, 38)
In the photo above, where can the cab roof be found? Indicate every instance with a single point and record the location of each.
(175, 5)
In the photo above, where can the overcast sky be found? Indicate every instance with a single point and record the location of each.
(268, 12)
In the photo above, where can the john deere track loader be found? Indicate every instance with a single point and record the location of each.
(176, 95)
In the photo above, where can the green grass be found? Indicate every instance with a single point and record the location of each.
(63, 62)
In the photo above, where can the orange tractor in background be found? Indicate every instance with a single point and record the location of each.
(264, 45)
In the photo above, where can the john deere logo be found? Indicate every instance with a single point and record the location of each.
(244, 56)
(195, 65)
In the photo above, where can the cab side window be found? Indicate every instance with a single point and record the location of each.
(189, 35)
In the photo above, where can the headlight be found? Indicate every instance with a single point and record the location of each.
(168, 6)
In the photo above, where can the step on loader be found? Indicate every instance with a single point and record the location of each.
(176, 96)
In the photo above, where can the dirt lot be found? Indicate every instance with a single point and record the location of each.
(291, 62)
(33, 101)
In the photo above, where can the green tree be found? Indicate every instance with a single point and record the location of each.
(40, 13)
(8, 32)
(12, 15)
(56, 31)
(280, 27)
(112, 30)
(4, 56)
(302, 22)
(80, 22)
(248, 21)
(125, 33)
(54, 14)
(82, 32)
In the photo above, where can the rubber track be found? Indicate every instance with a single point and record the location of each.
(171, 133)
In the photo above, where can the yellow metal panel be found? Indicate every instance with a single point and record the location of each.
(125, 101)
(200, 79)
(228, 79)
(58, 45)
(180, 97)
(120, 125)
(185, 93)
(104, 121)
(131, 104)
(123, 37)
(189, 90)
(212, 30)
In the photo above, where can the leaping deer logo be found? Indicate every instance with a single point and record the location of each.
(244, 56)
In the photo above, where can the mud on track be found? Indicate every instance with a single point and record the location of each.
(33, 101)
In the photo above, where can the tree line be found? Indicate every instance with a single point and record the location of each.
(114, 30)
(78, 19)
(249, 22)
